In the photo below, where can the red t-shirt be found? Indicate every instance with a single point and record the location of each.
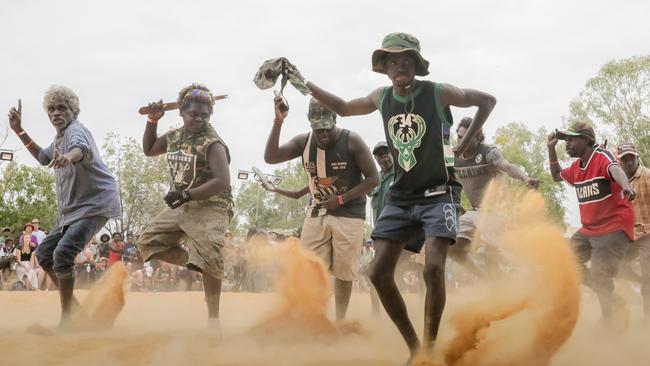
(602, 210)
(115, 252)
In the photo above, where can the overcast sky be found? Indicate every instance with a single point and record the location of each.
(534, 56)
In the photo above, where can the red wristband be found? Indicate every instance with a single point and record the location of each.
(277, 121)
(340, 199)
(555, 162)
(152, 121)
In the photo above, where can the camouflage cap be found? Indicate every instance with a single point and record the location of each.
(397, 43)
(320, 117)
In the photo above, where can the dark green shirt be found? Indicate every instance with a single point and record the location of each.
(380, 193)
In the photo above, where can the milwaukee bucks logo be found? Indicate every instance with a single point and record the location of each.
(406, 132)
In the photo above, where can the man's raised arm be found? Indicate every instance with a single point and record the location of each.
(354, 107)
(275, 153)
(464, 98)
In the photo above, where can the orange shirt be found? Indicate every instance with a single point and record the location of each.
(640, 182)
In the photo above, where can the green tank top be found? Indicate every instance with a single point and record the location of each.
(417, 131)
(187, 158)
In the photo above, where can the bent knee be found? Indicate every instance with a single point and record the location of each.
(378, 276)
(433, 271)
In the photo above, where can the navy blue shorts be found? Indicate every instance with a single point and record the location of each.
(412, 224)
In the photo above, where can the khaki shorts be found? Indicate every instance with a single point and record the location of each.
(201, 224)
(337, 241)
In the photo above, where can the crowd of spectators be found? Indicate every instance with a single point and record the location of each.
(245, 271)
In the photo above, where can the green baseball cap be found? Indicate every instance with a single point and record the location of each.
(397, 43)
(578, 129)
(320, 117)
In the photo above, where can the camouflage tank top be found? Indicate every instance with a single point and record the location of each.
(187, 158)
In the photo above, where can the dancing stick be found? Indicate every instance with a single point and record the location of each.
(173, 105)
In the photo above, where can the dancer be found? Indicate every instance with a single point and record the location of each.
(475, 169)
(87, 194)
(606, 213)
(424, 198)
(639, 177)
(200, 200)
(341, 172)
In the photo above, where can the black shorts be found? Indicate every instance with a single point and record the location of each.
(412, 224)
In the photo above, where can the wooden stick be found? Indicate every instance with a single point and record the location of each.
(173, 105)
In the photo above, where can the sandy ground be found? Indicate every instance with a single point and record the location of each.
(534, 314)
(168, 329)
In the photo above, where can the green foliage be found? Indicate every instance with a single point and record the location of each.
(255, 207)
(618, 98)
(143, 182)
(527, 149)
(27, 193)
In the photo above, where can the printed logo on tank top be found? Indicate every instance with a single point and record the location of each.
(182, 167)
(406, 132)
(310, 167)
(324, 186)
(593, 190)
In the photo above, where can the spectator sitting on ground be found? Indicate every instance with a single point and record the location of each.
(7, 259)
(141, 280)
(115, 249)
(40, 234)
(164, 278)
(26, 274)
(6, 232)
(43, 280)
(85, 264)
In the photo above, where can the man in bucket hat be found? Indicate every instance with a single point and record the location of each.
(424, 198)
(606, 213)
(341, 172)
(639, 177)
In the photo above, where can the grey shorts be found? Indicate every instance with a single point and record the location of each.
(412, 224)
(488, 223)
(605, 251)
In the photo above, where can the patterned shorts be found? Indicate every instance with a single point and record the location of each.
(201, 224)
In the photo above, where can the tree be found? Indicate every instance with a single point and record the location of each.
(618, 98)
(27, 193)
(525, 148)
(290, 213)
(255, 207)
(143, 182)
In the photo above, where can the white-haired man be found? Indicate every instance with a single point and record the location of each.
(86, 191)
